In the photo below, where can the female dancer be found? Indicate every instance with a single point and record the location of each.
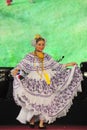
(47, 89)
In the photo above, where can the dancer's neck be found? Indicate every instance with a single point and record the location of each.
(38, 51)
(39, 54)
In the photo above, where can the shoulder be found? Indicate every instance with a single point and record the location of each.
(47, 56)
(29, 56)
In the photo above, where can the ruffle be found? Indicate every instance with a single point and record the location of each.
(65, 110)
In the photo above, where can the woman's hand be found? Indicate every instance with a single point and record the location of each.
(14, 72)
(71, 64)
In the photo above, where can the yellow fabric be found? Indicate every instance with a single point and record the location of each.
(44, 73)
(40, 55)
(47, 77)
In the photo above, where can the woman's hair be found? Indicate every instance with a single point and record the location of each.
(37, 38)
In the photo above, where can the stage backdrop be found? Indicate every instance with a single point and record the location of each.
(62, 22)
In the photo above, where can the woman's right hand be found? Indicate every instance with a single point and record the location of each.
(14, 72)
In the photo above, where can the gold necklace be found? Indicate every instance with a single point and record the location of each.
(40, 56)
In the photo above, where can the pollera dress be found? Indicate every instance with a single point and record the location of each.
(48, 92)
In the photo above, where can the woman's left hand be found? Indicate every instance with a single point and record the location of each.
(73, 63)
(70, 64)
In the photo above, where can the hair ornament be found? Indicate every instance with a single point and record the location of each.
(37, 36)
(34, 42)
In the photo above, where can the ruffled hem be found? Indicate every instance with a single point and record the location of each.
(25, 114)
(52, 118)
(66, 109)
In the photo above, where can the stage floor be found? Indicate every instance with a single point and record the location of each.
(49, 127)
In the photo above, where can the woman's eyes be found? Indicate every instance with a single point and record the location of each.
(40, 44)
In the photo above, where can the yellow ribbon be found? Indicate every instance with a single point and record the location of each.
(47, 77)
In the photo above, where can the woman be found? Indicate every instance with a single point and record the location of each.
(47, 89)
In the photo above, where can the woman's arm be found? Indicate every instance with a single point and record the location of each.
(70, 64)
(23, 65)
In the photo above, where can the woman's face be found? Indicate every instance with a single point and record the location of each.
(40, 45)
